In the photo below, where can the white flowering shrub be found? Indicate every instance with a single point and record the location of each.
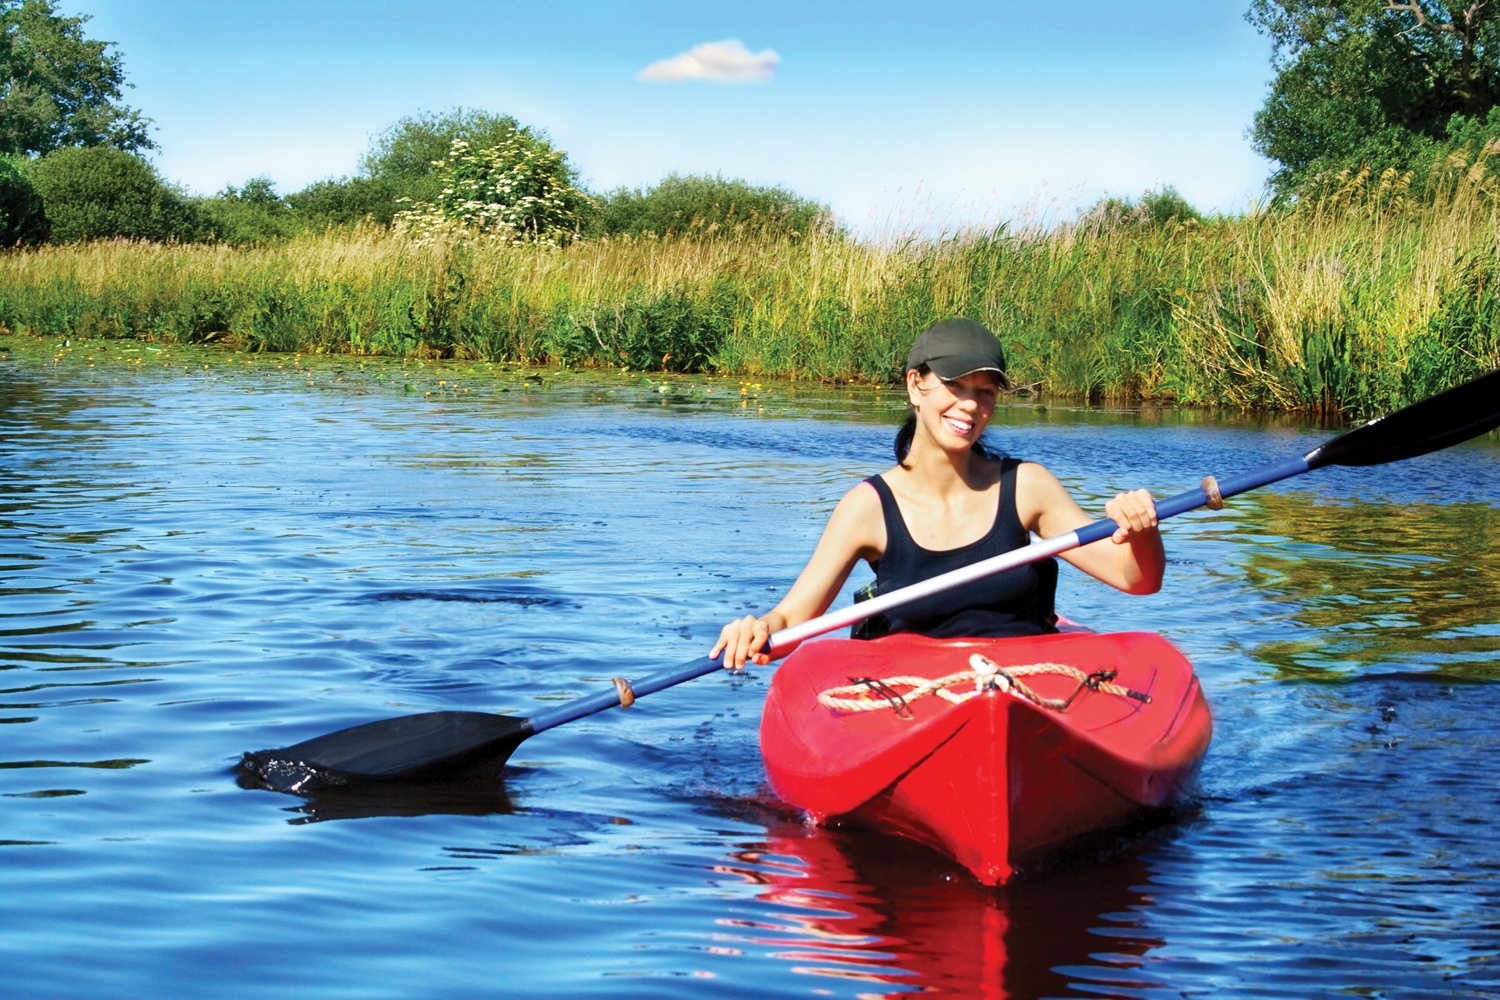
(518, 191)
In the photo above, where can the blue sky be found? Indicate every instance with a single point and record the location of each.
(897, 114)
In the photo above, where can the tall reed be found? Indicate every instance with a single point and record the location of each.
(1355, 301)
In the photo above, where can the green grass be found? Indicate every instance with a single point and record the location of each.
(1355, 303)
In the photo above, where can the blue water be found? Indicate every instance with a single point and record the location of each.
(200, 561)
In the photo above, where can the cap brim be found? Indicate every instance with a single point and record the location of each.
(956, 366)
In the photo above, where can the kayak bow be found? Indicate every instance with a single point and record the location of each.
(988, 776)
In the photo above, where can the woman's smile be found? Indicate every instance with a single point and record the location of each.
(958, 424)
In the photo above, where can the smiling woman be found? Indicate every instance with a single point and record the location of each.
(949, 502)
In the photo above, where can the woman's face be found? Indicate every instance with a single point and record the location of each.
(954, 413)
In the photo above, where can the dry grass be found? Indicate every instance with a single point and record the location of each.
(1354, 301)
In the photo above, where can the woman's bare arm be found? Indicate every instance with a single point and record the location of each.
(856, 530)
(1134, 562)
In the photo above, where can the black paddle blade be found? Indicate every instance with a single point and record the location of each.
(410, 748)
(1436, 422)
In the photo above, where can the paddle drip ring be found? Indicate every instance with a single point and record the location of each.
(868, 694)
(1211, 493)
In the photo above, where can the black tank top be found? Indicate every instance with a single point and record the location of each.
(1017, 602)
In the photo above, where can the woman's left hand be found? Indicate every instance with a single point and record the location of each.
(1134, 512)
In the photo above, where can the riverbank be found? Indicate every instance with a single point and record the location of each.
(1353, 305)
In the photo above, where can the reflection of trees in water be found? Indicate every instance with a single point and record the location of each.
(1407, 585)
(43, 429)
(878, 910)
(29, 402)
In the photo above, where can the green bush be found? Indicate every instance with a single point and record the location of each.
(520, 187)
(21, 219)
(404, 156)
(1160, 208)
(253, 214)
(345, 200)
(99, 192)
(708, 206)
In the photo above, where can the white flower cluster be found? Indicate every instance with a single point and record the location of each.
(515, 192)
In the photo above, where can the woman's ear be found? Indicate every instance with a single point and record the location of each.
(913, 387)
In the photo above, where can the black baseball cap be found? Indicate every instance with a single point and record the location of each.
(954, 348)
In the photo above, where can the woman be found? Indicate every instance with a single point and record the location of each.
(948, 503)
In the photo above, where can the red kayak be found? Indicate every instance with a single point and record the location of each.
(1026, 743)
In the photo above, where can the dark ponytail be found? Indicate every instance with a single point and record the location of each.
(903, 437)
(908, 429)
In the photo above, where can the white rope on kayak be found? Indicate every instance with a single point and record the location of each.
(866, 694)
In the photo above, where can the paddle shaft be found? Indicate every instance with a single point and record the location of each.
(437, 744)
(781, 643)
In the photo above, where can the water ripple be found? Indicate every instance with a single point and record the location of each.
(188, 572)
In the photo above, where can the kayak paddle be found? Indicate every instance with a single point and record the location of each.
(449, 745)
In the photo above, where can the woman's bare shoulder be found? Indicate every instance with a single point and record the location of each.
(1034, 473)
(857, 525)
(1038, 494)
(860, 501)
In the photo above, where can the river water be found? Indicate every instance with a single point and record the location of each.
(206, 553)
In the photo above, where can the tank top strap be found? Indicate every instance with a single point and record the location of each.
(1007, 524)
(1006, 518)
(1015, 602)
(896, 535)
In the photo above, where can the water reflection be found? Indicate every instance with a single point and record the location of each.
(880, 911)
(260, 561)
(458, 798)
(1382, 587)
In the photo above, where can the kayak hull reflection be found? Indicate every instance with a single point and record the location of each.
(997, 781)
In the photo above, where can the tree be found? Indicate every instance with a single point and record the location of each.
(253, 213)
(520, 188)
(59, 88)
(707, 206)
(99, 192)
(406, 154)
(21, 218)
(343, 200)
(1160, 207)
(1371, 80)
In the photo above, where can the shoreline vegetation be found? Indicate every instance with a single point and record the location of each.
(465, 234)
(1349, 303)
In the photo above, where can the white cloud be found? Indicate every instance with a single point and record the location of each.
(718, 62)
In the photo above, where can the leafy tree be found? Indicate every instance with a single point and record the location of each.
(708, 206)
(1371, 80)
(1166, 204)
(21, 217)
(344, 200)
(520, 188)
(99, 192)
(405, 155)
(1161, 207)
(254, 213)
(59, 88)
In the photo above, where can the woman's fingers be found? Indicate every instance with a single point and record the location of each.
(740, 640)
(759, 632)
(1134, 512)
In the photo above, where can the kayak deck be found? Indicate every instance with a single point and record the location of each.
(995, 780)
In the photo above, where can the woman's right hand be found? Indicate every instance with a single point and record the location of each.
(743, 639)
